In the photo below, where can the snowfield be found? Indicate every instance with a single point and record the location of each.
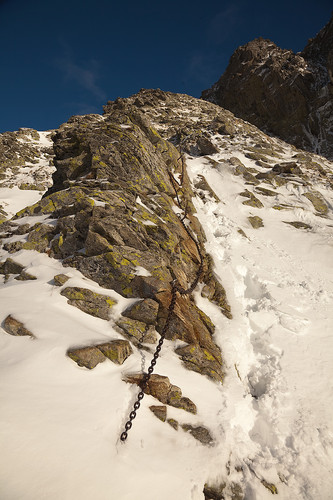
(272, 419)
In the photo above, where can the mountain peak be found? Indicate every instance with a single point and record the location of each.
(285, 94)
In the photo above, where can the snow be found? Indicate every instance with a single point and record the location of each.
(14, 199)
(272, 417)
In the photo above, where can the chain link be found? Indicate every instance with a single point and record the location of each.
(175, 288)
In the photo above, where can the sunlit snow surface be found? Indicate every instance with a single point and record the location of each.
(272, 419)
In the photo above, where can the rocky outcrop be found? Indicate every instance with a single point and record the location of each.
(113, 206)
(289, 95)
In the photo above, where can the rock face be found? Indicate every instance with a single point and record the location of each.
(113, 203)
(287, 94)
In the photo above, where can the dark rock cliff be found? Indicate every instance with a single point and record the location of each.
(286, 94)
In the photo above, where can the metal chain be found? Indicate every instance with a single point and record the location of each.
(175, 287)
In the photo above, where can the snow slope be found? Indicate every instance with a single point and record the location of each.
(272, 417)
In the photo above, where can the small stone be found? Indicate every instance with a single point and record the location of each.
(173, 423)
(24, 276)
(16, 328)
(88, 357)
(200, 433)
(256, 222)
(60, 279)
(159, 411)
(116, 350)
(253, 201)
(298, 224)
(270, 486)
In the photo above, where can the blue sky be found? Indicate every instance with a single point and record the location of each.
(69, 57)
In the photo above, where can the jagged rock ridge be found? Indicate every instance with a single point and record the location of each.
(286, 94)
(114, 206)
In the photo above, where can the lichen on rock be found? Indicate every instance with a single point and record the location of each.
(90, 302)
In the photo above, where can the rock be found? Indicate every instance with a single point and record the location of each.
(253, 200)
(194, 327)
(16, 328)
(256, 222)
(173, 423)
(160, 388)
(214, 492)
(159, 411)
(286, 94)
(112, 204)
(287, 168)
(202, 184)
(60, 279)
(201, 361)
(206, 147)
(137, 330)
(116, 350)
(145, 311)
(240, 169)
(200, 433)
(266, 192)
(24, 276)
(222, 491)
(298, 224)
(92, 303)
(10, 266)
(89, 357)
(317, 201)
(270, 486)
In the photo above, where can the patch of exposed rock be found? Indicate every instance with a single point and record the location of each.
(161, 388)
(89, 357)
(16, 328)
(24, 148)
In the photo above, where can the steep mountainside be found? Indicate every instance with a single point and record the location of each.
(289, 95)
(240, 403)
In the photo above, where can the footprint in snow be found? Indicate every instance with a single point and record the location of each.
(295, 325)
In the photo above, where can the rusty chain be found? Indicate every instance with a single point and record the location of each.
(175, 287)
